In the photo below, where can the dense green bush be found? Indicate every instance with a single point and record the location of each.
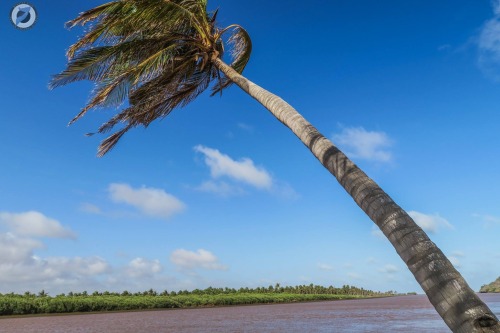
(14, 304)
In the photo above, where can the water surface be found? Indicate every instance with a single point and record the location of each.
(410, 314)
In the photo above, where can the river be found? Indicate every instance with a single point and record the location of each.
(410, 314)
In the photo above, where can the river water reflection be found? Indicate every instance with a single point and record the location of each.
(410, 314)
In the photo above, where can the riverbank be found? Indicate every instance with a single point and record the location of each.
(20, 305)
(82, 302)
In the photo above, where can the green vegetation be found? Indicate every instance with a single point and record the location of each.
(493, 287)
(29, 303)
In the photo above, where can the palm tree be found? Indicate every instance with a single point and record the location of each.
(158, 55)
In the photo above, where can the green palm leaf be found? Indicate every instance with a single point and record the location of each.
(152, 55)
(241, 50)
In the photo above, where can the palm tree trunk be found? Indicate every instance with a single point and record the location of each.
(454, 300)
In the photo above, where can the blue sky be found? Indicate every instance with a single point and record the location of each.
(220, 193)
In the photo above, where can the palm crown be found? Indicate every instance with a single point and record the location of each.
(150, 56)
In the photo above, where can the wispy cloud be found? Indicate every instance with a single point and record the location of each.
(388, 269)
(284, 191)
(90, 208)
(489, 44)
(430, 223)
(454, 261)
(34, 224)
(221, 188)
(496, 7)
(458, 254)
(89, 266)
(371, 260)
(243, 170)
(189, 260)
(444, 47)
(246, 127)
(488, 220)
(377, 232)
(455, 258)
(362, 144)
(325, 267)
(150, 201)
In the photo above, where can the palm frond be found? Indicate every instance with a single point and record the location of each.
(156, 99)
(241, 51)
(94, 13)
(111, 141)
(113, 90)
(151, 55)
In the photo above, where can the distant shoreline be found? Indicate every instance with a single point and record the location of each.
(12, 304)
(117, 304)
(493, 287)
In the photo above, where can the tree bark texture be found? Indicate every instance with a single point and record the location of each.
(449, 293)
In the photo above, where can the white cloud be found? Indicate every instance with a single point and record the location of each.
(14, 249)
(244, 170)
(458, 254)
(363, 144)
(140, 267)
(76, 266)
(21, 268)
(34, 224)
(150, 201)
(489, 44)
(325, 267)
(185, 259)
(430, 223)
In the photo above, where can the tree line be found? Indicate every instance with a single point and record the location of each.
(310, 289)
(42, 302)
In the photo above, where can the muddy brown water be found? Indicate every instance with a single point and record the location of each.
(410, 314)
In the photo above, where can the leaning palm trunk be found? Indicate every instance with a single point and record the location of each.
(454, 300)
(159, 55)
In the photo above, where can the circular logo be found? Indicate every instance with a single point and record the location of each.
(23, 15)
